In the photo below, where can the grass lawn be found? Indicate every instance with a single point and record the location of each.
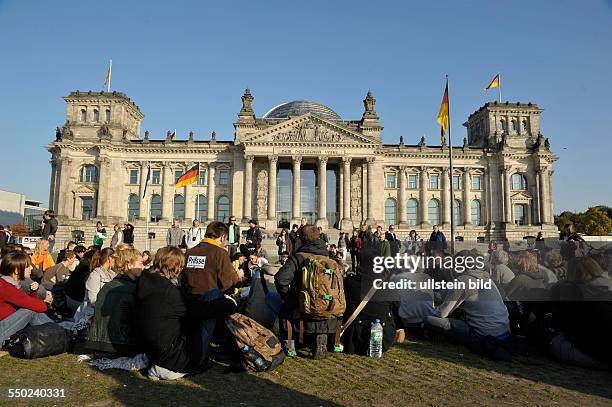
(415, 373)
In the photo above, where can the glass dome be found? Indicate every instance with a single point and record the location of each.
(301, 107)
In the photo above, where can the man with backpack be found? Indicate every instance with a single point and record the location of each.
(311, 286)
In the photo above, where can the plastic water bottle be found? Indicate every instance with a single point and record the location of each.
(252, 356)
(376, 340)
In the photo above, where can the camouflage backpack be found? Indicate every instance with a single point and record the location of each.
(260, 348)
(322, 293)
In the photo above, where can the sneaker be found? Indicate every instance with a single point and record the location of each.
(400, 336)
(320, 347)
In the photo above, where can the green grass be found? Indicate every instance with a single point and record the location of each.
(415, 373)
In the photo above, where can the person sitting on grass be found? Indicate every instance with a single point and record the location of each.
(113, 329)
(75, 286)
(176, 334)
(486, 326)
(60, 272)
(101, 273)
(41, 258)
(17, 309)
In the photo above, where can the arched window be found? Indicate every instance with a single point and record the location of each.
(502, 125)
(96, 115)
(524, 126)
(434, 212)
(390, 211)
(413, 212)
(179, 207)
(201, 208)
(475, 212)
(457, 211)
(133, 206)
(519, 183)
(223, 209)
(89, 174)
(156, 208)
(83, 115)
(514, 126)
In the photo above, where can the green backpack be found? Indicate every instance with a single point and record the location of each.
(322, 293)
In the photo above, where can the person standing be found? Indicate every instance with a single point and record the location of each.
(233, 237)
(394, 242)
(284, 242)
(128, 234)
(117, 238)
(437, 238)
(49, 228)
(100, 235)
(355, 244)
(412, 242)
(174, 237)
(293, 235)
(343, 243)
(194, 235)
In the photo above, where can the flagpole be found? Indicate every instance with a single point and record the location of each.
(499, 87)
(450, 159)
(148, 215)
(110, 74)
(198, 196)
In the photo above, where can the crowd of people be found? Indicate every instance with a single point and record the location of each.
(118, 300)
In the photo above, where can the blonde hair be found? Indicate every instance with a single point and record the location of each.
(553, 258)
(169, 262)
(528, 262)
(124, 256)
(38, 250)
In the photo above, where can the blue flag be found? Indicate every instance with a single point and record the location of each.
(144, 193)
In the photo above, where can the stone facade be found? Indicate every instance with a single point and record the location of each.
(301, 157)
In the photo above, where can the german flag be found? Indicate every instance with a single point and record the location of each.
(443, 115)
(494, 83)
(188, 177)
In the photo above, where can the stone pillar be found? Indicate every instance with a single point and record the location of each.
(248, 188)
(65, 199)
(371, 220)
(543, 197)
(104, 179)
(347, 223)
(506, 197)
(423, 187)
(272, 161)
(322, 220)
(467, 204)
(403, 203)
(296, 196)
(142, 208)
(211, 193)
(167, 192)
(538, 200)
(550, 204)
(447, 199)
(52, 186)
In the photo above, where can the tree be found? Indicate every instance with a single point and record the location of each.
(19, 229)
(595, 222)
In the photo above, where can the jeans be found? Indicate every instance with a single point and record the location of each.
(208, 327)
(19, 320)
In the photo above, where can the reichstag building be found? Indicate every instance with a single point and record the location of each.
(300, 159)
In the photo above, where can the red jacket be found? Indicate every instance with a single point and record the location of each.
(12, 298)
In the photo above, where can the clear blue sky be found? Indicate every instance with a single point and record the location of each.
(186, 65)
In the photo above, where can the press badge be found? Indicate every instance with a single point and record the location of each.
(196, 262)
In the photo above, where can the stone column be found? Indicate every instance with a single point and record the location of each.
(467, 204)
(506, 197)
(322, 220)
(371, 198)
(550, 204)
(142, 208)
(423, 187)
(167, 192)
(211, 193)
(65, 199)
(537, 199)
(296, 196)
(347, 223)
(52, 186)
(272, 162)
(447, 199)
(248, 188)
(403, 203)
(543, 197)
(104, 178)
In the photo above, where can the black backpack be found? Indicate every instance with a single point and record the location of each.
(38, 341)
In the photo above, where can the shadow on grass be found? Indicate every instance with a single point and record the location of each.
(534, 367)
(213, 387)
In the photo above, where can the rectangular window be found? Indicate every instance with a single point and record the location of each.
(177, 175)
(87, 208)
(520, 213)
(156, 177)
(107, 116)
(391, 178)
(476, 182)
(223, 177)
(412, 181)
(434, 181)
(456, 182)
(202, 178)
(133, 177)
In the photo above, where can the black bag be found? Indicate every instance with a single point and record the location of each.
(38, 341)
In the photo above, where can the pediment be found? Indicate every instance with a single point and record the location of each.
(307, 129)
(521, 196)
(84, 189)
